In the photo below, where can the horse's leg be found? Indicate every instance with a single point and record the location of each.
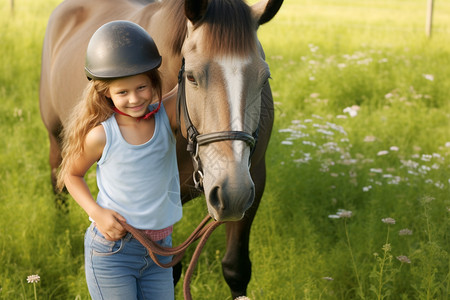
(177, 270)
(54, 158)
(187, 189)
(54, 130)
(236, 264)
(55, 161)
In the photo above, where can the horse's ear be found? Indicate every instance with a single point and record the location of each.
(195, 9)
(265, 10)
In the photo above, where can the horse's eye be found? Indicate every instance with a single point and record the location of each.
(191, 79)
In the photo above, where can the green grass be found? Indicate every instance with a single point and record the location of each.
(390, 160)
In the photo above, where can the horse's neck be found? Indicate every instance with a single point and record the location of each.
(158, 19)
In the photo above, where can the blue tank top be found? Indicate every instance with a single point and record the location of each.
(141, 182)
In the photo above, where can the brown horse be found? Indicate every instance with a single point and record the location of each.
(225, 98)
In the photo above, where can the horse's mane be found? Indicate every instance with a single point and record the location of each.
(177, 33)
(229, 28)
(228, 24)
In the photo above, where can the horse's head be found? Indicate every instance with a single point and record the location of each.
(224, 74)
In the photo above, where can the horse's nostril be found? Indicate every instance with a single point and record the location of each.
(214, 199)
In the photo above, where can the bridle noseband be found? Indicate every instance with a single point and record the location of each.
(195, 139)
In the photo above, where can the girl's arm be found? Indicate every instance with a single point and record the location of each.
(106, 220)
(170, 104)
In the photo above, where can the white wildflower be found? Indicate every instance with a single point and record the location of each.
(365, 61)
(388, 221)
(424, 169)
(395, 180)
(309, 143)
(410, 164)
(404, 259)
(33, 278)
(439, 185)
(405, 231)
(326, 132)
(426, 157)
(429, 77)
(313, 48)
(345, 214)
(289, 130)
(341, 213)
(367, 188)
(352, 111)
(369, 138)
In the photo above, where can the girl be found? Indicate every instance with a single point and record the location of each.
(132, 141)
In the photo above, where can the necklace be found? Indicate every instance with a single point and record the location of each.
(145, 117)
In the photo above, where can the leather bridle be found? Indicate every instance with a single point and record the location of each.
(195, 139)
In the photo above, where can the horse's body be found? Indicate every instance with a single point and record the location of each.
(225, 90)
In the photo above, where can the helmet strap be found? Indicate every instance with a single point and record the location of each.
(145, 117)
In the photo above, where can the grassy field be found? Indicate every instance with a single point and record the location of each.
(357, 204)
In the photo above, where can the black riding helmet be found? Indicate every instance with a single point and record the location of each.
(120, 49)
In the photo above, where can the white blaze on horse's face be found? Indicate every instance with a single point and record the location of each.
(233, 71)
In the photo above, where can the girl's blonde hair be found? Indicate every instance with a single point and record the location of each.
(91, 111)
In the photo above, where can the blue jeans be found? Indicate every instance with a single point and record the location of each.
(123, 270)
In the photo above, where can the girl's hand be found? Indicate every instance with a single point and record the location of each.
(107, 223)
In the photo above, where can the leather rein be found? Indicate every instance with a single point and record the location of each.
(202, 232)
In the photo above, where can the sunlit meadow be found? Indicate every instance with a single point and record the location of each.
(357, 202)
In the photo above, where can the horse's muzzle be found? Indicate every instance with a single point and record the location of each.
(228, 204)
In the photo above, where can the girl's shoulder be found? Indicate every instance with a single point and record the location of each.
(95, 140)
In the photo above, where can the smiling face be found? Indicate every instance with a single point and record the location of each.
(131, 95)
